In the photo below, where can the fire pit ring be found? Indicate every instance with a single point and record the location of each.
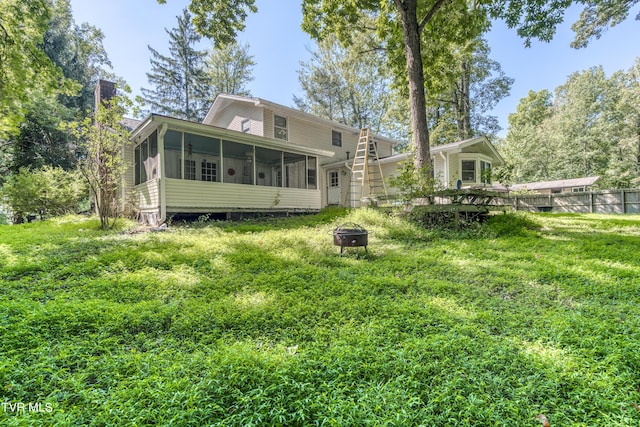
(350, 235)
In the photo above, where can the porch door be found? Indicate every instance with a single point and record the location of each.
(333, 187)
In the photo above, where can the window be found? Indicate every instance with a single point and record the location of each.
(334, 179)
(190, 169)
(336, 138)
(311, 173)
(295, 170)
(469, 170)
(209, 171)
(373, 149)
(280, 128)
(485, 172)
(173, 154)
(268, 165)
(245, 125)
(137, 165)
(144, 155)
(578, 190)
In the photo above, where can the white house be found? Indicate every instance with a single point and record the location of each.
(252, 155)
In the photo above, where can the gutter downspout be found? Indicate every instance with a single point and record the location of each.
(445, 159)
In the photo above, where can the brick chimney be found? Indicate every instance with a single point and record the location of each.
(105, 90)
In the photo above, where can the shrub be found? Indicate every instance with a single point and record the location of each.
(512, 224)
(46, 191)
(413, 183)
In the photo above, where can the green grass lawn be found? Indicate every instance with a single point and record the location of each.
(263, 323)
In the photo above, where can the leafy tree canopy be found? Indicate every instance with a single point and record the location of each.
(229, 69)
(24, 66)
(589, 126)
(220, 20)
(597, 16)
(179, 80)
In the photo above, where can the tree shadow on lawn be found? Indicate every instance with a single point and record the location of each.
(430, 334)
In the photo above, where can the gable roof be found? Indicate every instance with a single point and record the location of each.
(454, 147)
(223, 100)
(561, 183)
(130, 123)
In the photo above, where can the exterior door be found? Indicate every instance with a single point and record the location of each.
(333, 187)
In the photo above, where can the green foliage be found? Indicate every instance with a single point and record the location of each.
(220, 20)
(179, 81)
(462, 111)
(513, 225)
(229, 69)
(352, 85)
(413, 183)
(78, 53)
(210, 326)
(104, 138)
(46, 191)
(590, 127)
(24, 66)
(597, 16)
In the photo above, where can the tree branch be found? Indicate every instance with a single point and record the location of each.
(437, 5)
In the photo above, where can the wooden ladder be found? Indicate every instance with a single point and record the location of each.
(368, 176)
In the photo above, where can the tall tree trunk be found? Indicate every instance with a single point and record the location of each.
(407, 11)
(466, 100)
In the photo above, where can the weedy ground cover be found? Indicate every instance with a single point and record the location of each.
(263, 323)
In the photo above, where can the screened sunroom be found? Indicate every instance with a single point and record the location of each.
(186, 167)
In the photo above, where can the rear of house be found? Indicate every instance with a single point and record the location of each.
(251, 155)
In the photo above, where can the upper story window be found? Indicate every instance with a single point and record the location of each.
(280, 129)
(469, 170)
(245, 126)
(336, 138)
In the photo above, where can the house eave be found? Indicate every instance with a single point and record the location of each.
(155, 120)
(223, 100)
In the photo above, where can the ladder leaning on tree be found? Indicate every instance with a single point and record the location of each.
(362, 171)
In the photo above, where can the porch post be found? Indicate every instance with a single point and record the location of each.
(163, 193)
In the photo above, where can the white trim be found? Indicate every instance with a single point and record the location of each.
(476, 157)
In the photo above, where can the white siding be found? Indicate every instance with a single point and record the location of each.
(232, 117)
(267, 130)
(454, 169)
(319, 135)
(128, 180)
(439, 169)
(129, 161)
(195, 196)
(148, 196)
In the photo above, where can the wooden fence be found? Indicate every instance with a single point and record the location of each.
(606, 202)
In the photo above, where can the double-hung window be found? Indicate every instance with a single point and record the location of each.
(280, 130)
(469, 170)
(336, 138)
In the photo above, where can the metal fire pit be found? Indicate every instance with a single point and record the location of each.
(350, 235)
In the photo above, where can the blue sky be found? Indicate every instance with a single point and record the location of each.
(278, 45)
